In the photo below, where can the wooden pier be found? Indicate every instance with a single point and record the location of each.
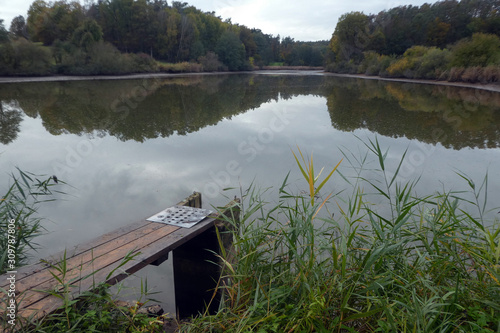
(104, 260)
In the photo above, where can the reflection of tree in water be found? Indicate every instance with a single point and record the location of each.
(455, 117)
(10, 121)
(150, 108)
(145, 109)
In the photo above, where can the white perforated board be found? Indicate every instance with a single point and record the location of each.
(181, 216)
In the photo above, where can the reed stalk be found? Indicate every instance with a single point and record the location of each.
(387, 261)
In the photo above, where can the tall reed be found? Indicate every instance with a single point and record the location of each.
(387, 261)
(20, 204)
(96, 310)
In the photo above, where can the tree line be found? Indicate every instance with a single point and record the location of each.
(450, 40)
(115, 36)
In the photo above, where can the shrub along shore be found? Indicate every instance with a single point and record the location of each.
(456, 41)
(471, 60)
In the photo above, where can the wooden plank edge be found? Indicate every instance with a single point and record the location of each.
(193, 200)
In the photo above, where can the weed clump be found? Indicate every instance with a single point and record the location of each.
(19, 222)
(380, 259)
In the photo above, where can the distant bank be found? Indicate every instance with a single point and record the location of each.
(303, 70)
(282, 70)
(489, 87)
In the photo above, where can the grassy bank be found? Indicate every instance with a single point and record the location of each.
(470, 60)
(345, 264)
(296, 68)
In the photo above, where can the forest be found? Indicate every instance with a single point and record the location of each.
(121, 36)
(447, 40)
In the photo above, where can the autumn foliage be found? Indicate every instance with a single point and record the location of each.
(448, 40)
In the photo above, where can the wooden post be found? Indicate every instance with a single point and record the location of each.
(194, 200)
(196, 273)
(226, 229)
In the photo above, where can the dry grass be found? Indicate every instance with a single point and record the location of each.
(476, 74)
(491, 74)
(455, 74)
(472, 74)
(180, 67)
(296, 68)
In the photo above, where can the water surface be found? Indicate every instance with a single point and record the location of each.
(130, 148)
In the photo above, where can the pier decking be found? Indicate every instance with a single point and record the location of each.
(112, 257)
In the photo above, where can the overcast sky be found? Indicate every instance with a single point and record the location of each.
(308, 20)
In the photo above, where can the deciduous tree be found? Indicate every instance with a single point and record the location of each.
(231, 51)
(87, 34)
(18, 27)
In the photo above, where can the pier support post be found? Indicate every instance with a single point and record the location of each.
(196, 269)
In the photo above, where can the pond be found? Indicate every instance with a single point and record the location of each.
(129, 148)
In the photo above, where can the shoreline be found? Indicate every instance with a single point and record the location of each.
(480, 86)
(64, 78)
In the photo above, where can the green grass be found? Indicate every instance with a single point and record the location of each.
(20, 204)
(96, 310)
(405, 264)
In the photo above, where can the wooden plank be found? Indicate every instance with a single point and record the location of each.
(85, 258)
(193, 200)
(98, 260)
(152, 248)
(88, 265)
(148, 254)
(195, 273)
(38, 275)
(136, 227)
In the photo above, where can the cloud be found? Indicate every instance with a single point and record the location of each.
(10, 9)
(302, 20)
(285, 18)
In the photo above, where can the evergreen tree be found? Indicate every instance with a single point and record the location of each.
(18, 27)
(4, 35)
